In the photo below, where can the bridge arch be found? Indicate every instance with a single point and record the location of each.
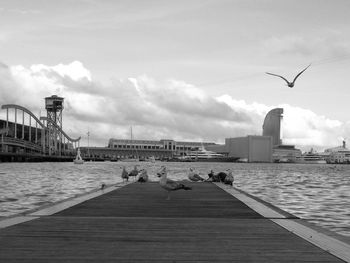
(18, 107)
(36, 139)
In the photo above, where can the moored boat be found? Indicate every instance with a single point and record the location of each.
(311, 157)
(78, 159)
(203, 155)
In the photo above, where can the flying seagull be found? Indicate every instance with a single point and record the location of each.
(289, 84)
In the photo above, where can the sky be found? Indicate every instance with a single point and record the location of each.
(191, 70)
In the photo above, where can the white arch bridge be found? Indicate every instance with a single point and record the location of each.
(23, 133)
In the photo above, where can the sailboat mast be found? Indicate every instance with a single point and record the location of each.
(133, 147)
(131, 133)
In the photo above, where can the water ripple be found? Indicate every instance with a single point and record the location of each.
(317, 193)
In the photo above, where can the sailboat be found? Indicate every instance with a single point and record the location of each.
(134, 155)
(78, 159)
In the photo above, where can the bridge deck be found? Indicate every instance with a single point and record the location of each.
(137, 224)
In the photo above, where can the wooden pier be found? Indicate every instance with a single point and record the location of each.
(135, 223)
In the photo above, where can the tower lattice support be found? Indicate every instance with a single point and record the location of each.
(54, 108)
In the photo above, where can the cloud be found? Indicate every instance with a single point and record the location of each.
(4, 37)
(329, 43)
(307, 129)
(156, 109)
(19, 11)
(9, 90)
(75, 70)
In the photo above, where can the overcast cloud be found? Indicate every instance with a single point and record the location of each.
(156, 109)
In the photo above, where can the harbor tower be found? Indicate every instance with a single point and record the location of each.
(54, 108)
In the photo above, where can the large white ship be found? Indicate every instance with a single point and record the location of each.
(311, 157)
(203, 155)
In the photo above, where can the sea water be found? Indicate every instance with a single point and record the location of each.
(318, 193)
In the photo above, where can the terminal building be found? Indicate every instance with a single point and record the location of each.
(143, 149)
(164, 144)
(252, 148)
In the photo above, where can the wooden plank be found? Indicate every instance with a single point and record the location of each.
(59, 206)
(316, 237)
(330, 244)
(149, 200)
(11, 221)
(105, 239)
(137, 224)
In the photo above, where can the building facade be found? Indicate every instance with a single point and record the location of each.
(160, 149)
(340, 154)
(272, 125)
(164, 144)
(252, 148)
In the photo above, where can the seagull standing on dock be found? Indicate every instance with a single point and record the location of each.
(222, 176)
(212, 177)
(229, 178)
(289, 84)
(125, 174)
(134, 172)
(193, 176)
(170, 185)
(143, 176)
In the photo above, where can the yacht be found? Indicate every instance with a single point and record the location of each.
(311, 157)
(78, 159)
(203, 155)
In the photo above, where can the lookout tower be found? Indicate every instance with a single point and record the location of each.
(54, 108)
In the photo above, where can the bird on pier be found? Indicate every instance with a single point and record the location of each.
(170, 185)
(229, 178)
(289, 84)
(125, 174)
(222, 176)
(143, 176)
(134, 172)
(213, 177)
(193, 176)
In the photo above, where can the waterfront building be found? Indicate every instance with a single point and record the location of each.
(273, 127)
(340, 154)
(265, 148)
(25, 136)
(285, 154)
(178, 147)
(143, 149)
(252, 148)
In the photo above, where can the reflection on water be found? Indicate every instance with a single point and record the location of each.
(318, 193)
